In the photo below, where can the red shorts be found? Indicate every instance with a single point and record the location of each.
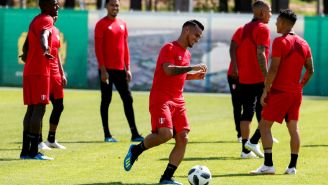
(56, 87)
(36, 89)
(169, 115)
(282, 105)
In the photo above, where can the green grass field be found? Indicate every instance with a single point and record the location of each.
(212, 142)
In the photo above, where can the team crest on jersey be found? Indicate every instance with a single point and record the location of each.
(122, 27)
(179, 57)
(161, 120)
(43, 97)
(110, 27)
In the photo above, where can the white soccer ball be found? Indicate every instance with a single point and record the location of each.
(199, 175)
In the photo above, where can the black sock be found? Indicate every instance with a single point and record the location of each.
(256, 137)
(26, 144)
(138, 149)
(293, 160)
(51, 136)
(34, 144)
(243, 146)
(169, 171)
(134, 132)
(40, 138)
(268, 159)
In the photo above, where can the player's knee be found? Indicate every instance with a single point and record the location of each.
(127, 99)
(182, 138)
(247, 116)
(165, 134)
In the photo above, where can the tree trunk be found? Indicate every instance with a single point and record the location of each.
(135, 5)
(182, 5)
(246, 6)
(223, 5)
(69, 4)
(149, 5)
(325, 7)
(276, 5)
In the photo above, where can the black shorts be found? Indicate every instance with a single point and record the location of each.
(250, 95)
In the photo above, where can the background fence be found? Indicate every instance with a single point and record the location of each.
(148, 31)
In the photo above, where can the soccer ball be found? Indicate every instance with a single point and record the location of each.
(199, 175)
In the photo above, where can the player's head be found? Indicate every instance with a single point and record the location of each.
(262, 11)
(192, 31)
(285, 21)
(49, 7)
(113, 7)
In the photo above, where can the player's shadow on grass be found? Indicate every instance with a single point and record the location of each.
(118, 183)
(314, 145)
(205, 158)
(9, 159)
(207, 142)
(9, 149)
(229, 175)
(85, 142)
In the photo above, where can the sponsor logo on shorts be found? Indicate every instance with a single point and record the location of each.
(161, 120)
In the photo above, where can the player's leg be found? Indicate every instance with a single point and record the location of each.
(267, 167)
(106, 98)
(122, 86)
(176, 156)
(26, 141)
(294, 145)
(236, 103)
(58, 108)
(248, 100)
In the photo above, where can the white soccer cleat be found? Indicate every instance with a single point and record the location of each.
(263, 170)
(239, 139)
(291, 171)
(55, 145)
(254, 148)
(250, 155)
(43, 146)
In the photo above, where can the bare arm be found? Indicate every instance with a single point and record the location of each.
(61, 71)
(270, 78)
(171, 69)
(25, 50)
(233, 58)
(260, 51)
(308, 73)
(199, 75)
(45, 45)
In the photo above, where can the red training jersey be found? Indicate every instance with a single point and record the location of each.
(255, 33)
(236, 38)
(36, 63)
(55, 45)
(293, 52)
(111, 44)
(169, 88)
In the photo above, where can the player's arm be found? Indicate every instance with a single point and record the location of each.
(261, 57)
(233, 58)
(127, 59)
(171, 69)
(61, 71)
(25, 50)
(199, 75)
(45, 45)
(309, 71)
(100, 53)
(270, 78)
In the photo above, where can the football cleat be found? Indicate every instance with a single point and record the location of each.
(249, 155)
(255, 148)
(290, 171)
(169, 181)
(264, 170)
(43, 146)
(129, 159)
(55, 145)
(40, 156)
(110, 140)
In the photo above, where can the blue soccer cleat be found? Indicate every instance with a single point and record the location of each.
(137, 139)
(129, 159)
(110, 140)
(40, 156)
(169, 181)
(24, 157)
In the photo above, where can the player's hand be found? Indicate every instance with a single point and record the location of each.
(200, 75)
(264, 98)
(200, 67)
(234, 74)
(104, 76)
(23, 57)
(64, 80)
(128, 76)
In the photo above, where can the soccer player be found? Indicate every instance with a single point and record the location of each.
(282, 95)
(57, 82)
(112, 52)
(252, 56)
(36, 80)
(166, 102)
(233, 80)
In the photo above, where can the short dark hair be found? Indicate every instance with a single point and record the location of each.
(194, 23)
(259, 4)
(43, 3)
(288, 15)
(107, 1)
